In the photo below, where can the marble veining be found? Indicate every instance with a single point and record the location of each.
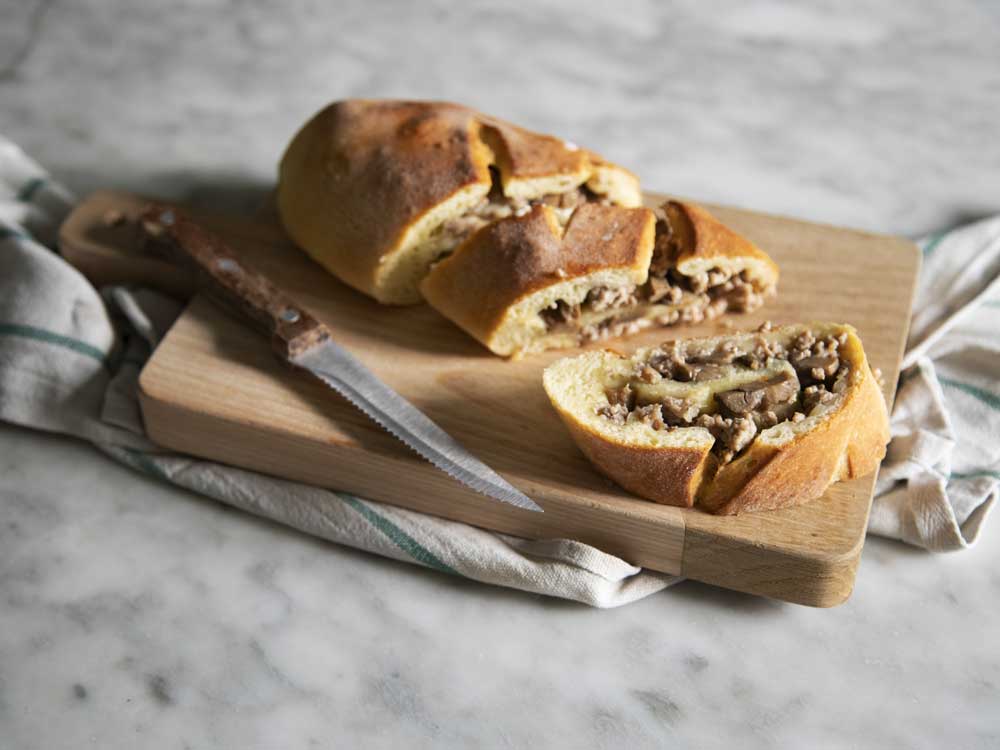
(133, 614)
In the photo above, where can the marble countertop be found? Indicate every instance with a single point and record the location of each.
(133, 614)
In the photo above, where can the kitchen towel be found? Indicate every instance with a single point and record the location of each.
(70, 356)
(940, 477)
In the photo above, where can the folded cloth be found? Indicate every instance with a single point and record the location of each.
(70, 358)
(940, 478)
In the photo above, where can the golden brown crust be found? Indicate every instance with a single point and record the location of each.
(359, 172)
(704, 237)
(867, 445)
(768, 477)
(362, 173)
(523, 154)
(599, 161)
(514, 257)
(496, 269)
(847, 443)
(668, 477)
(851, 443)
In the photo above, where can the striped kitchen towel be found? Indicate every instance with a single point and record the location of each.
(940, 478)
(70, 357)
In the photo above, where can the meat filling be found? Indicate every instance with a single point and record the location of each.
(667, 297)
(612, 311)
(734, 391)
(451, 233)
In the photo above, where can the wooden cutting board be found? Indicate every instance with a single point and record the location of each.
(213, 389)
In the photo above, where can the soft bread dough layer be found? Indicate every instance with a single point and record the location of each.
(529, 283)
(366, 185)
(825, 439)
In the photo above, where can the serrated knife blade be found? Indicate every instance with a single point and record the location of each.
(343, 372)
(306, 343)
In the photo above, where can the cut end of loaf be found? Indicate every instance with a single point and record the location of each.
(773, 416)
(378, 190)
(544, 280)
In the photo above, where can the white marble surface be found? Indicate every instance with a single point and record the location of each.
(136, 615)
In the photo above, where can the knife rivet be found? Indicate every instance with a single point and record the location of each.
(290, 315)
(167, 217)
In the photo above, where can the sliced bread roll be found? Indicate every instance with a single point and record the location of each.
(533, 282)
(375, 191)
(744, 422)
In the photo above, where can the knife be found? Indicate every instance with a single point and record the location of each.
(306, 343)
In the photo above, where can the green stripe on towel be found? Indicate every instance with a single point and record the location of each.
(931, 245)
(990, 399)
(32, 186)
(145, 464)
(975, 474)
(40, 334)
(399, 537)
(6, 233)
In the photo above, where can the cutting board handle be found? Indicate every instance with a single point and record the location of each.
(230, 281)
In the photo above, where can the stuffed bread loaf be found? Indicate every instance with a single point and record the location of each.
(744, 422)
(529, 283)
(377, 190)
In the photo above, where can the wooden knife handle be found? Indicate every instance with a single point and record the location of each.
(230, 281)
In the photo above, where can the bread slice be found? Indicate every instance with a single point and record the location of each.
(528, 283)
(375, 191)
(743, 422)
